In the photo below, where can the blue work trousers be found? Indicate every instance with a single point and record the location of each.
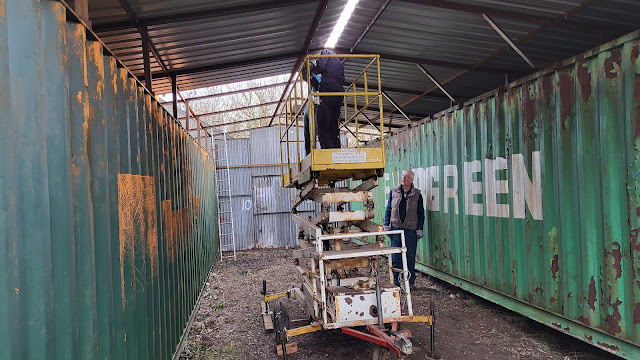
(411, 241)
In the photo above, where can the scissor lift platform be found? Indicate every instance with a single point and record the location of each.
(329, 166)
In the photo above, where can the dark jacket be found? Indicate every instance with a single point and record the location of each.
(414, 219)
(332, 71)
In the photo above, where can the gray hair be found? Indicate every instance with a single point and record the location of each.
(409, 172)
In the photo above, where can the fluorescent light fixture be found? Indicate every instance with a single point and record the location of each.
(342, 22)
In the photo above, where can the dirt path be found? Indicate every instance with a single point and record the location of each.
(229, 326)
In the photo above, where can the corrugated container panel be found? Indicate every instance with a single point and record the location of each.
(273, 31)
(265, 171)
(243, 222)
(240, 181)
(532, 197)
(106, 208)
(237, 150)
(275, 230)
(270, 197)
(265, 145)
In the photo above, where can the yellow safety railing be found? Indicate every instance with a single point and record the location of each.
(363, 93)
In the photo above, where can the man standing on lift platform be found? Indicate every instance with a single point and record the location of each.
(332, 71)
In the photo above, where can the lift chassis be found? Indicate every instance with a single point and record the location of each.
(341, 284)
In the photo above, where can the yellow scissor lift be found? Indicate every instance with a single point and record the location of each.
(337, 262)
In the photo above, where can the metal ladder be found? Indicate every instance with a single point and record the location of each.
(225, 208)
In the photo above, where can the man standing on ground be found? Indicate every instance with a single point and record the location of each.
(405, 211)
(332, 71)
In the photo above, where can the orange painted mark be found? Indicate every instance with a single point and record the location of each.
(178, 226)
(2, 13)
(137, 221)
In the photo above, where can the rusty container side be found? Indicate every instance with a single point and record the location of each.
(531, 196)
(107, 206)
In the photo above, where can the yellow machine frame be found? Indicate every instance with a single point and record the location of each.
(330, 165)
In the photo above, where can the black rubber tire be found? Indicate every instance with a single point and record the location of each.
(381, 353)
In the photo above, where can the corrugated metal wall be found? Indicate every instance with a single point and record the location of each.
(261, 206)
(533, 202)
(107, 208)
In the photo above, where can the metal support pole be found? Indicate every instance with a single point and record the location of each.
(199, 127)
(384, 93)
(187, 124)
(145, 56)
(435, 82)
(174, 92)
(507, 39)
(378, 297)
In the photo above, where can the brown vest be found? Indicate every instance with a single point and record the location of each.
(411, 218)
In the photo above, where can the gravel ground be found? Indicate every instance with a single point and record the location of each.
(228, 324)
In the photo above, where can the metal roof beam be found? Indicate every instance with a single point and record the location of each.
(507, 14)
(373, 21)
(322, 6)
(435, 82)
(237, 122)
(396, 106)
(507, 39)
(199, 14)
(223, 66)
(235, 109)
(204, 97)
(499, 52)
(445, 64)
(405, 91)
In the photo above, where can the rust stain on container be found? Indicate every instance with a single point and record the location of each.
(2, 14)
(529, 113)
(553, 237)
(567, 97)
(178, 219)
(584, 78)
(636, 313)
(616, 254)
(584, 320)
(610, 347)
(592, 294)
(612, 64)
(74, 169)
(613, 320)
(137, 222)
(636, 103)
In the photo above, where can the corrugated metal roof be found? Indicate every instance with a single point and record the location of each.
(208, 43)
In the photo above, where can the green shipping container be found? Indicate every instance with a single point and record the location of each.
(532, 196)
(107, 206)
